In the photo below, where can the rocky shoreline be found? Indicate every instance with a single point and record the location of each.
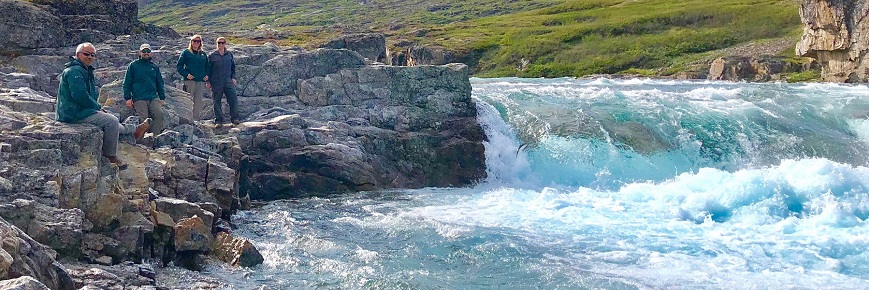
(314, 123)
(328, 121)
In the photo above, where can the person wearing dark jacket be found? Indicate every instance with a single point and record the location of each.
(77, 103)
(143, 85)
(193, 68)
(221, 80)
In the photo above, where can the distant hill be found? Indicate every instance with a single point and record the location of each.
(526, 38)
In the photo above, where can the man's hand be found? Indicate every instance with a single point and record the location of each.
(129, 104)
(162, 102)
(234, 82)
(205, 78)
(208, 85)
(189, 76)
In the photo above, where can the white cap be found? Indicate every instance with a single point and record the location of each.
(144, 46)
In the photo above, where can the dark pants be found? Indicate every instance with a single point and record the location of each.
(231, 100)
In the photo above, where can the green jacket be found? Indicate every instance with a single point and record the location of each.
(194, 63)
(77, 95)
(143, 81)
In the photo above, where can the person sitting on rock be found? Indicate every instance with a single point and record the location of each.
(193, 67)
(77, 103)
(143, 84)
(221, 80)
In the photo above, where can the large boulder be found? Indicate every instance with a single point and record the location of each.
(277, 76)
(428, 55)
(370, 45)
(22, 283)
(836, 33)
(368, 128)
(757, 69)
(235, 251)
(25, 25)
(192, 234)
(30, 258)
(60, 229)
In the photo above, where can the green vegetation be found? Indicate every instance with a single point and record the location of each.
(806, 76)
(526, 38)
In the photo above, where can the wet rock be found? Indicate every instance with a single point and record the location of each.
(235, 251)
(191, 234)
(756, 69)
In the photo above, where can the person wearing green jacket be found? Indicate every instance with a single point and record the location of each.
(77, 103)
(143, 85)
(193, 67)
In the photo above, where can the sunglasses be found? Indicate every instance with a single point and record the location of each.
(197, 40)
(221, 42)
(146, 51)
(89, 54)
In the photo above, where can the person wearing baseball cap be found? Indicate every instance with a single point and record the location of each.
(143, 89)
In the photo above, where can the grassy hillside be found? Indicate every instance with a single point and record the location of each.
(530, 38)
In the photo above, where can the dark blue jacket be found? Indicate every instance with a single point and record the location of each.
(221, 69)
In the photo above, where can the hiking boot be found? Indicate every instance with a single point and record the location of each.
(117, 162)
(218, 125)
(235, 122)
(141, 129)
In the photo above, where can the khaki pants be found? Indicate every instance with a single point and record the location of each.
(111, 129)
(151, 109)
(197, 90)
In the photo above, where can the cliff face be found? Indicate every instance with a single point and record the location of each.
(836, 33)
(28, 25)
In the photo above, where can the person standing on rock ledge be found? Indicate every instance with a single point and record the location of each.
(77, 103)
(221, 80)
(143, 84)
(193, 67)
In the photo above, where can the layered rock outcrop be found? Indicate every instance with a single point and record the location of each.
(754, 69)
(314, 123)
(836, 33)
(28, 25)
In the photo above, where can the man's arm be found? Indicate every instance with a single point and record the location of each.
(232, 60)
(161, 92)
(128, 83)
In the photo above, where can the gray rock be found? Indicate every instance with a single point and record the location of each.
(277, 76)
(22, 283)
(180, 209)
(30, 258)
(370, 45)
(27, 26)
(428, 55)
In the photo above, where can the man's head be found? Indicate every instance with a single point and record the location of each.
(86, 53)
(145, 51)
